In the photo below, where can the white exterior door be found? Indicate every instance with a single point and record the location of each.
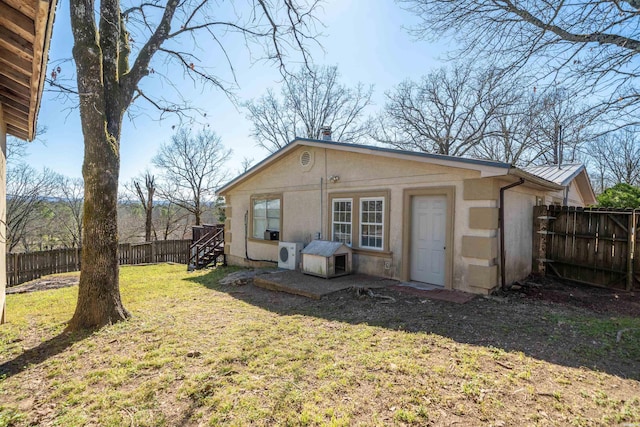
(428, 239)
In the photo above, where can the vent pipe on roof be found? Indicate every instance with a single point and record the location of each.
(325, 131)
(558, 138)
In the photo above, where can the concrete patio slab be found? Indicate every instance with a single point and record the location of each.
(294, 282)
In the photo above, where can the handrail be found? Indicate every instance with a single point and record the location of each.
(212, 242)
(216, 229)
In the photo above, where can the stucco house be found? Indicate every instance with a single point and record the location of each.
(25, 32)
(410, 216)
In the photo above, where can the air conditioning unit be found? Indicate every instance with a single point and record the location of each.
(289, 255)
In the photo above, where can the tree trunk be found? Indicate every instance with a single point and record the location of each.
(101, 111)
(147, 224)
(99, 300)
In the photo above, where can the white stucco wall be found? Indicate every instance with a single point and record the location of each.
(518, 218)
(3, 214)
(359, 173)
(305, 212)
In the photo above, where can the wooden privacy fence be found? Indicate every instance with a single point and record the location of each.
(22, 267)
(593, 246)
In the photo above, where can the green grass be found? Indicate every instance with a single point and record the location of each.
(195, 353)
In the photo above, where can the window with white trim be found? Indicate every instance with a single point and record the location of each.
(266, 216)
(372, 223)
(341, 221)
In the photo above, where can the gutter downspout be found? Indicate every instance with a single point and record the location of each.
(503, 275)
(321, 208)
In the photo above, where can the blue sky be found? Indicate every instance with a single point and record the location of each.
(367, 43)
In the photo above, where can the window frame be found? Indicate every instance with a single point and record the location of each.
(362, 223)
(356, 231)
(334, 222)
(251, 219)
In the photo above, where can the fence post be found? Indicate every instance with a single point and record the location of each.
(631, 249)
(16, 272)
(540, 227)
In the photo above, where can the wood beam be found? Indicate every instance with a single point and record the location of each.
(15, 87)
(19, 46)
(11, 120)
(16, 116)
(17, 22)
(10, 103)
(12, 60)
(27, 7)
(7, 93)
(18, 77)
(17, 132)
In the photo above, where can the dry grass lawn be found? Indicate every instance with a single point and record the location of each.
(198, 353)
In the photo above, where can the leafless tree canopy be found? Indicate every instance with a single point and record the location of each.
(192, 167)
(617, 158)
(448, 112)
(27, 190)
(310, 99)
(594, 44)
(70, 195)
(464, 111)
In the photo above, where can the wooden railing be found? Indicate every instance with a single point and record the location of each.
(207, 247)
(22, 267)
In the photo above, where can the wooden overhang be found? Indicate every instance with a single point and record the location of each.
(25, 33)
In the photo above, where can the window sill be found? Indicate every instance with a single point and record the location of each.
(371, 252)
(266, 242)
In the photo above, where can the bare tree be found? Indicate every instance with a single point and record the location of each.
(114, 50)
(537, 128)
(172, 221)
(589, 45)
(70, 195)
(146, 200)
(192, 167)
(564, 125)
(310, 99)
(245, 165)
(27, 190)
(617, 157)
(513, 134)
(448, 112)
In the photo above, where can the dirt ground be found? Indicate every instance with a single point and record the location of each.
(598, 300)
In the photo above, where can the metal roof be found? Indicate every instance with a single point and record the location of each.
(561, 175)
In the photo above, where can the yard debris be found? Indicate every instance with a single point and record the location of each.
(622, 331)
(366, 292)
(504, 365)
(496, 298)
(244, 277)
(52, 282)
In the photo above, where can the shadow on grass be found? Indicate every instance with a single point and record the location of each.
(41, 353)
(551, 332)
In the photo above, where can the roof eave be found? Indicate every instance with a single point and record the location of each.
(48, 17)
(485, 167)
(532, 179)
